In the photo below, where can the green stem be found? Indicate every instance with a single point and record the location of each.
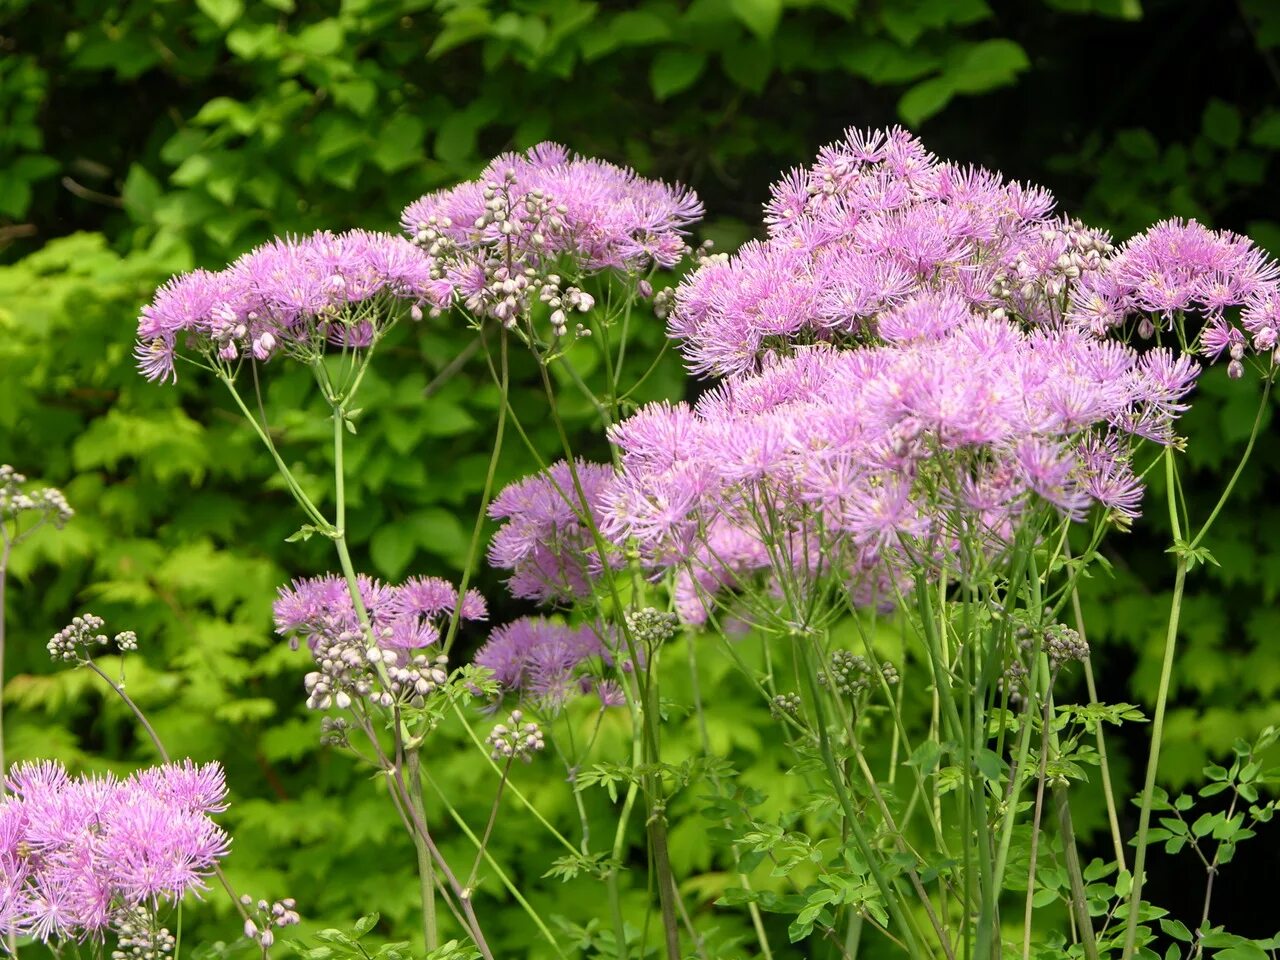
(1079, 897)
(488, 827)
(426, 869)
(511, 787)
(1046, 717)
(1244, 459)
(308, 507)
(477, 532)
(852, 820)
(656, 823)
(1157, 724)
(497, 869)
(757, 921)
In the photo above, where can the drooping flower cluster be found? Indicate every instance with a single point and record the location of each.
(291, 295)
(862, 462)
(265, 918)
(546, 540)
(405, 620)
(82, 857)
(1182, 267)
(547, 663)
(875, 223)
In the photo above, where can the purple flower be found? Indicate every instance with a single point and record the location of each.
(876, 223)
(546, 539)
(601, 215)
(403, 618)
(288, 295)
(542, 660)
(79, 855)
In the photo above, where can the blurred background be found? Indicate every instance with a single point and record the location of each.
(143, 137)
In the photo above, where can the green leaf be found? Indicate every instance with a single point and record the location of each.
(760, 16)
(321, 39)
(1176, 929)
(674, 71)
(222, 12)
(638, 28)
(392, 547)
(400, 144)
(986, 66)
(1222, 124)
(1242, 951)
(924, 100)
(748, 65)
(366, 923)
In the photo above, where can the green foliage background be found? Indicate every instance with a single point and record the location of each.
(143, 137)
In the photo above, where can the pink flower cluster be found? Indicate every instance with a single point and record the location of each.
(292, 293)
(79, 856)
(546, 540)
(916, 356)
(862, 463)
(875, 222)
(548, 662)
(600, 215)
(1182, 267)
(404, 618)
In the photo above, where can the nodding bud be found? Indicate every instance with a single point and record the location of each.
(415, 312)
(1235, 369)
(250, 929)
(645, 289)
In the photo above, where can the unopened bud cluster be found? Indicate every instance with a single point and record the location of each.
(663, 301)
(333, 732)
(564, 301)
(264, 916)
(515, 739)
(650, 627)
(705, 255)
(1068, 251)
(1060, 643)
(48, 503)
(415, 680)
(850, 674)
(349, 672)
(784, 705)
(345, 671)
(138, 938)
(80, 638)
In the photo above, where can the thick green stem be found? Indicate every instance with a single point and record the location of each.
(1046, 717)
(1079, 897)
(1153, 761)
(852, 819)
(1157, 723)
(426, 869)
(757, 921)
(656, 822)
